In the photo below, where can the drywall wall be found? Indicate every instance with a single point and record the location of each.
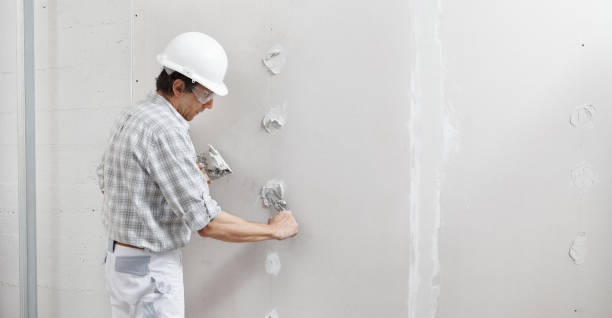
(527, 110)
(9, 239)
(342, 153)
(443, 159)
(83, 82)
(88, 69)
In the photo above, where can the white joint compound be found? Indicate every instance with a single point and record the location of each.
(272, 314)
(274, 119)
(273, 264)
(578, 250)
(583, 116)
(275, 59)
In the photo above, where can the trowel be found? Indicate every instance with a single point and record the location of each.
(273, 195)
(212, 164)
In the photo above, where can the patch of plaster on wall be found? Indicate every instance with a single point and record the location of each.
(275, 59)
(578, 250)
(575, 308)
(274, 119)
(273, 264)
(8, 284)
(583, 116)
(272, 314)
(583, 176)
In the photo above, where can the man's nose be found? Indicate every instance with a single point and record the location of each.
(209, 105)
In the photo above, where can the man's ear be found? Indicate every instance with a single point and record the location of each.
(178, 87)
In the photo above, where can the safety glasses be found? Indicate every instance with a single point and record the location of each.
(203, 94)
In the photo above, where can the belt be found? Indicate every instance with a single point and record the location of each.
(128, 245)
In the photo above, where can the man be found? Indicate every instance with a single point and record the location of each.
(154, 192)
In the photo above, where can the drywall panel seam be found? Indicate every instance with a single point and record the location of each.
(415, 167)
(429, 121)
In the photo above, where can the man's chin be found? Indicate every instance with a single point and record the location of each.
(196, 114)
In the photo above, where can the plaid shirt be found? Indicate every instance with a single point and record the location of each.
(154, 192)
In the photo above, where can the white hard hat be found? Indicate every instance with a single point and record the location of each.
(199, 57)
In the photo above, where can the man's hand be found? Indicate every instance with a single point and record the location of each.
(284, 225)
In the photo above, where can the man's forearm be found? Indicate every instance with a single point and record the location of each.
(231, 228)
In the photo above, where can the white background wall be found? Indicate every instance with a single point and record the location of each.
(9, 239)
(83, 81)
(404, 119)
(514, 73)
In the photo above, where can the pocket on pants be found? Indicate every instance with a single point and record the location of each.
(136, 265)
(167, 273)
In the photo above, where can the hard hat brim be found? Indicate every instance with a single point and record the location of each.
(217, 88)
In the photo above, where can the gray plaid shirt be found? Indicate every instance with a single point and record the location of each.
(154, 192)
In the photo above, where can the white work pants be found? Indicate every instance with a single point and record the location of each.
(144, 284)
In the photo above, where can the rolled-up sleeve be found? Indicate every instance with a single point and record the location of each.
(171, 163)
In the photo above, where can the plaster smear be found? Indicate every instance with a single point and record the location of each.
(583, 116)
(583, 176)
(273, 195)
(414, 197)
(213, 163)
(578, 250)
(275, 119)
(272, 314)
(429, 111)
(273, 264)
(275, 59)
(575, 308)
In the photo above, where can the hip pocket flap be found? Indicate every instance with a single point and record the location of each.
(135, 265)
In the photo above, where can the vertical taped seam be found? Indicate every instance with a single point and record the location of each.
(427, 118)
(413, 271)
(446, 148)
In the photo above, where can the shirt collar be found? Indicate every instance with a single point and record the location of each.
(158, 99)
